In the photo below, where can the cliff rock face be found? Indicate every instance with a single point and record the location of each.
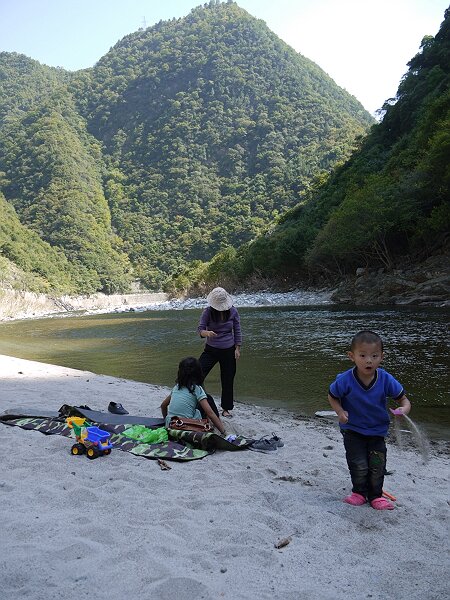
(425, 285)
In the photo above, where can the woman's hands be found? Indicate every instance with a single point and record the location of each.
(207, 334)
(237, 352)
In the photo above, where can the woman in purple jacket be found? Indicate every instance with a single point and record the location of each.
(220, 325)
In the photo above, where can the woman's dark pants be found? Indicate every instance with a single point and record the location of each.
(227, 361)
(366, 459)
(212, 404)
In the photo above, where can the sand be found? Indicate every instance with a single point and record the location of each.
(120, 527)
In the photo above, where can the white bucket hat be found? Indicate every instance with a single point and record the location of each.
(219, 299)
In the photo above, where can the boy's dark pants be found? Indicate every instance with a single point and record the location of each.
(366, 459)
(227, 361)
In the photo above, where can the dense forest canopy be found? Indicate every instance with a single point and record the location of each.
(388, 203)
(184, 139)
(51, 174)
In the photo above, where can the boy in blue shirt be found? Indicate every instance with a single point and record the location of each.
(359, 398)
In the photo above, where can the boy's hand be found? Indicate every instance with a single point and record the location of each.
(343, 416)
(398, 412)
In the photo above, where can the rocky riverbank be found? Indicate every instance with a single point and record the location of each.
(427, 284)
(23, 305)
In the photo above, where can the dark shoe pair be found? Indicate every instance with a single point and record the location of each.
(117, 408)
(263, 445)
(267, 445)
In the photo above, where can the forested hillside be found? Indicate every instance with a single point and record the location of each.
(184, 139)
(389, 203)
(51, 173)
(26, 261)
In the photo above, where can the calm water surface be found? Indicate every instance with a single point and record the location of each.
(290, 354)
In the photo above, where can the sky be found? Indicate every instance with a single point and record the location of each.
(364, 45)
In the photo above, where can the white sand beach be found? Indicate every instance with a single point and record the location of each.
(120, 527)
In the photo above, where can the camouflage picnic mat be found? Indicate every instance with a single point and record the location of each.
(210, 441)
(182, 445)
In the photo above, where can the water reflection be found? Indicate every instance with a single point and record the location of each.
(290, 354)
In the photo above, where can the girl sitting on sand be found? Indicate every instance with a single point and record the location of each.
(359, 397)
(188, 399)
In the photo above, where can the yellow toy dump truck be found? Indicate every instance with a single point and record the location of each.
(91, 440)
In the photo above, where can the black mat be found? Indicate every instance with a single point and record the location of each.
(95, 416)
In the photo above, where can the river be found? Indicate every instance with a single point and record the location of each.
(289, 356)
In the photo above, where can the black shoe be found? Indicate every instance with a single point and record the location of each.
(277, 440)
(117, 408)
(263, 445)
(274, 440)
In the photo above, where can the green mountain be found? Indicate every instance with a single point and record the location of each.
(52, 173)
(184, 139)
(26, 261)
(388, 204)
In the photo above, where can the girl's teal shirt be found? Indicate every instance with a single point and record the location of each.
(184, 403)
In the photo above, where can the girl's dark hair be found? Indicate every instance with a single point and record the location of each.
(216, 314)
(366, 337)
(189, 373)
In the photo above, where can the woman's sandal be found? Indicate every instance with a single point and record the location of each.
(381, 504)
(227, 414)
(355, 499)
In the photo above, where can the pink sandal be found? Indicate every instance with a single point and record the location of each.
(381, 504)
(355, 499)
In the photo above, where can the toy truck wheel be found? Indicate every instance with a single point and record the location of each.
(77, 449)
(92, 453)
(106, 452)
